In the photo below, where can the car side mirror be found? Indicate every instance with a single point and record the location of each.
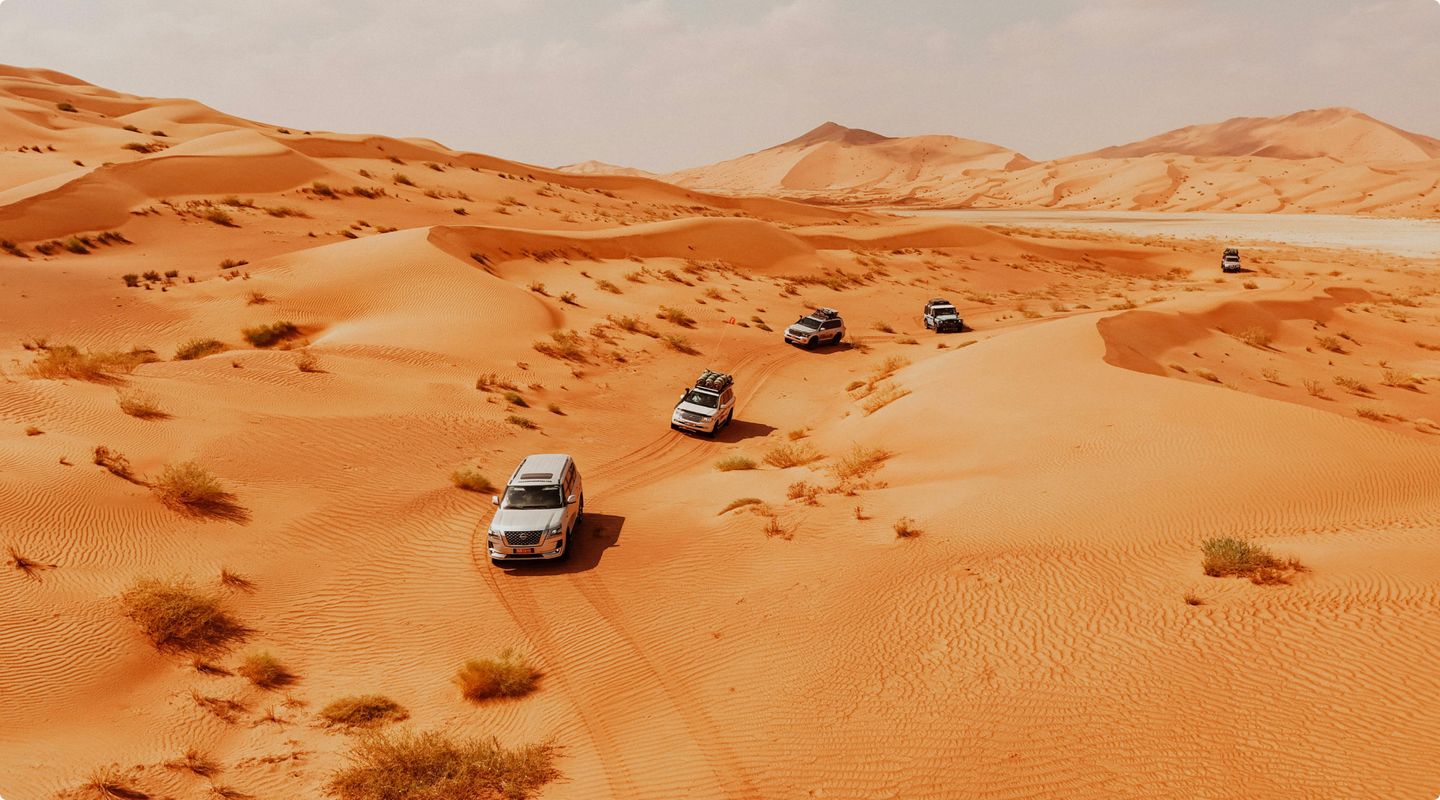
(495, 499)
(570, 501)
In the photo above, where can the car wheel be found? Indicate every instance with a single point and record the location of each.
(810, 342)
(838, 337)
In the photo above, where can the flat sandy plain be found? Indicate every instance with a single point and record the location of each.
(1049, 633)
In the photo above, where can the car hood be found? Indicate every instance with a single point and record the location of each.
(947, 315)
(799, 331)
(694, 409)
(526, 519)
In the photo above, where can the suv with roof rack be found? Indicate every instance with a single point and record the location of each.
(822, 326)
(706, 407)
(1230, 260)
(539, 512)
(941, 316)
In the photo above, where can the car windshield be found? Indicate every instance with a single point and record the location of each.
(943, 311)
(809, 323)
(702, 399)
(532, 497)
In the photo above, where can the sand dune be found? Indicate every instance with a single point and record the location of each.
(601, 168)
(1115, 402)
(1322, 161)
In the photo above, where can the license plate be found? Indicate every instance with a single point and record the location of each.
(525, 550)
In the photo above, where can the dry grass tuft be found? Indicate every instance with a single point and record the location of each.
(221, 708)
(1315, 389)
(265, 671)
(804, 491)
(235, 580)
(509, 675)
(1256, 337)
(176, 616)
(434, 766)
(1372, 414)
(735, 462)
(884, 395)
(26, 566)
(905, 528)
(784, 456)
(1399, 379)
(306, 361)
(859, 463)
(740, 503)
(523, 422)
(63, 361)
(1350, 384)
(199, 348)
(564, 345)
(363, 711)
(196, 763)
(1330, 343)
(1193, 599)
(675, 316)
(680, 344)
(270, 335)
(471, 481)
(141, 405)
(116, 464)
(1227, 556)
(110, 782)
(189, 489)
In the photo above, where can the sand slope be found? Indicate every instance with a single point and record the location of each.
(1111, 407)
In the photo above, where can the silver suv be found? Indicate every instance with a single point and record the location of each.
(708, 406)
(823, 326)
(539, 511)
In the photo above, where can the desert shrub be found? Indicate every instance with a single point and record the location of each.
(859, 462)
(143, 147)
(63, 361)
(265, 671)
(539, 288)
(1372, 414)
(221, 217)
(679, 344)
(151, 276)
(564, 345)
(111, 782)
(270, 335)
(235, 580)
(884, 395)
(19, 252)
(132, 129)
(1193, 599)
(784, 456)
(1330, 343)
(1250, 285)
(804, 491)
(233, 263)
(1227, 556)
(68, 108)
(221, 708)
(514, 399)
(1205, 374)
(256, 298)
(1399, 379)
(1314, 387)
(190, 489)
(905, 528)
(1271, 374)
(433, 766)
(1350, 384)
(141, 405)
(522, 422)
(172, 273)
(114, 463)
(323, 190)
(554, 408)
(508, 675)
(883, 327)
(363, 711)
(307, 362)
(1255, 337)
(176, 616)
(76, 246)
(471, 481)
(740, 503)
(735, 462)
(675, 316)
(607, 286)
(28, 566)
(196, 763)
(797, 434)
(199, 348)
(569, 298)
(490, 380)
(631, 324)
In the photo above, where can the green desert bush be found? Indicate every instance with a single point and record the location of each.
(435, 766)
(176, 616)
(509, 675)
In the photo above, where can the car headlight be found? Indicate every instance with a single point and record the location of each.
(554, 530)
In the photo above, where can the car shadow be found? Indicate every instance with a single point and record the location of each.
(740, 429)
(597, 533)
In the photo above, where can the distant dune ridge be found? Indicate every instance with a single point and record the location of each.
(1332, 160)
(257, 384)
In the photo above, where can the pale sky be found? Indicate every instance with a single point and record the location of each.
(666, 84)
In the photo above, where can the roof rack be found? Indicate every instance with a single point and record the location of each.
(940, 301)
(717, 381)
(825, 313)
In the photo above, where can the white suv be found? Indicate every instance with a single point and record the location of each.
(823, 326)
(539, 512)
(708, 406)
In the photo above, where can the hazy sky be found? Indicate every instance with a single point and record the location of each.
(664, 84)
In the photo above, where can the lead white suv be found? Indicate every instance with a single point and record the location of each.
(708, 406)
(823, 326)
(539, 512)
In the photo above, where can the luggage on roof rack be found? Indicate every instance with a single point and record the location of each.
(825, 313)
(717, 381)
